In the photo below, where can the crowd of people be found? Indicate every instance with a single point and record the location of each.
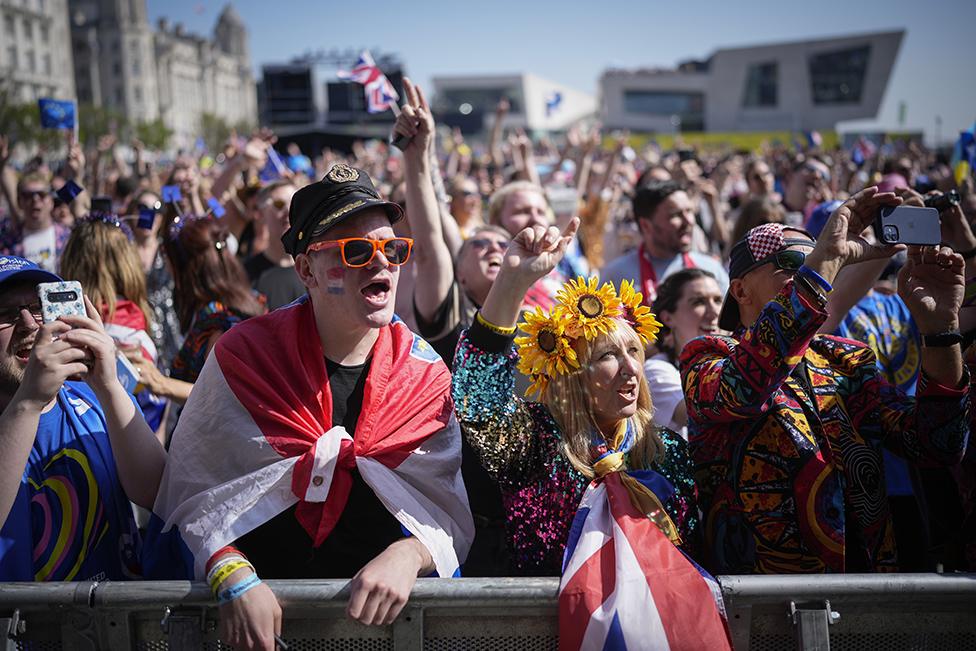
(380, 364)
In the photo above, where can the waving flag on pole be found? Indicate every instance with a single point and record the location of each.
(380, 94)
(256, 437)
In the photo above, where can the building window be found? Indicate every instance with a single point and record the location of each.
(137, 94)
(838, 77)
(47, 64)
(45, 33)
(686, 109)
(8, 26)
(31, 62)
(762, 84)
(119, 96)
(28, 28)
(136, 66)
(481, 100)
(12, 56)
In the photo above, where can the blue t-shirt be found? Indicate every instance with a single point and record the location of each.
(883, 322)
(71, 520)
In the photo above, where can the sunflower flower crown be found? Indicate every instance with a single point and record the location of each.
(582, 310)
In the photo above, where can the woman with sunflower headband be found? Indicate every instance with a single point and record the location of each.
(590, 435)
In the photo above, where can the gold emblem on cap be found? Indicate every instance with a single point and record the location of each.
(342, 173)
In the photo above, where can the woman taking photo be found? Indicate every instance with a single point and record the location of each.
(688, 304)
(590, 437)
(101, 256)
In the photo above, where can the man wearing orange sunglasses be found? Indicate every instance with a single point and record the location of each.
(342, 417)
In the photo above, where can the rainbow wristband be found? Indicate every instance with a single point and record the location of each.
(237, 591)
(815, 277)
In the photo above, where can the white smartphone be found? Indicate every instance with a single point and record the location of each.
(64, 298)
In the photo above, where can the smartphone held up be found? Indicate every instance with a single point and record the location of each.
(908, 225)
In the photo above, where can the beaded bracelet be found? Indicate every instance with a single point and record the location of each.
(237, 591)
(225, 571)
(497, 329)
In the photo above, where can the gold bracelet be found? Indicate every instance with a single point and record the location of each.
(497, 329)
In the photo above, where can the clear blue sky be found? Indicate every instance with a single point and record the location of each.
(573, 42)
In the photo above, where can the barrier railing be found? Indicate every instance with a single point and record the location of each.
(766, 613)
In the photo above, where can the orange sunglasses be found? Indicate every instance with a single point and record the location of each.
(359, 251)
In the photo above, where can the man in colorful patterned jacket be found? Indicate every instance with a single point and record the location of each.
(786, 427)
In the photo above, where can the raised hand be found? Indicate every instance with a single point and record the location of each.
(840, 241)
(932, 284)
(415, 122)
(536, 251)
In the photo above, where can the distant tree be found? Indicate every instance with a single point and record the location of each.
(97, 121)
(154, 134)
(215, 131)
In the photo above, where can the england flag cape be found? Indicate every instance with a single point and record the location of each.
(256, 437)
(625, 585)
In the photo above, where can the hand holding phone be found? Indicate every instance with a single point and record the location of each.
(908, 225)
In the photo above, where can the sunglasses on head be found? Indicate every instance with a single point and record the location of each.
(359, 251)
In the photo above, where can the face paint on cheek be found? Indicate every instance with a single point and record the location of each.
(336, 280)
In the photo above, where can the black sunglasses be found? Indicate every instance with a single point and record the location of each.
(790, 261)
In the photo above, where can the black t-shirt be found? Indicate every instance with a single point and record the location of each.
(256, 265)
(280, 286)
(282, 549)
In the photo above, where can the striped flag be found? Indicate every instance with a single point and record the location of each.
(380, 94)
(256, 437)
(625, 586)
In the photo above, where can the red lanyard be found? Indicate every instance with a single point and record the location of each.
(649, 276)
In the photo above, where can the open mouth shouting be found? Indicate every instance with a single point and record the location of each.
(628, 391)
(378, 291)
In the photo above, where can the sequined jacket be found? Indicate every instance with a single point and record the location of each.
(791, 482)
(518, 444)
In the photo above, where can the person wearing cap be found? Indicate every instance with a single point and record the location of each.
(786, 427)
(666, 218)
(73, 454)
(339, 451)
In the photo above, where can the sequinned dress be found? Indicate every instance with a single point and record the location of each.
(518, 444)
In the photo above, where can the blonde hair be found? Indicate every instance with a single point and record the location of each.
(496, 205)
(106, 263)
(568, 399)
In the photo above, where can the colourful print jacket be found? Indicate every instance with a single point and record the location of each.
(793, 482)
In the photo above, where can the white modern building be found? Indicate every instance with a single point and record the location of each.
(803, 85)
(35, 49)
(122, 64)
(536, 104)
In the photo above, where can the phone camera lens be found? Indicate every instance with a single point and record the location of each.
(890, 233)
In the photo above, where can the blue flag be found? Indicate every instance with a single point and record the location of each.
(171, 193)
(215, 208)
(56, 113)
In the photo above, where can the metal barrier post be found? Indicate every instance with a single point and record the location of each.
(811, 626)
(408, 630)
(14, 626)
(184, 631)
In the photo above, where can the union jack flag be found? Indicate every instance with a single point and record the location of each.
(380, 94)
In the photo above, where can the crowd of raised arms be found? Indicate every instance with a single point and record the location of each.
(464, 358)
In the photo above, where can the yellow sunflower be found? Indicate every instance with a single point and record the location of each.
(539, 384)
(545, 349)
(588, 310)
(637, 314)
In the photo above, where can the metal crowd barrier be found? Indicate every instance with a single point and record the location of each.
(766, 613)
